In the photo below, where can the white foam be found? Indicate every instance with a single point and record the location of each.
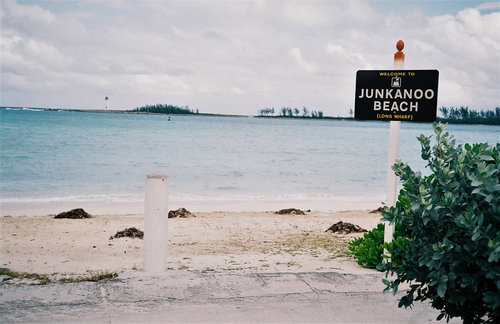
(74, 198)
(134, 203)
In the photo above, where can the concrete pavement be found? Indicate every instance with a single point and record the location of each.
(183, 296)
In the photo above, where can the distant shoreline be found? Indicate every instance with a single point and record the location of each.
(116, 111)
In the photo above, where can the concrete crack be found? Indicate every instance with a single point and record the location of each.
(312, 289)
(103, 295)
(263, 281)
(105, 302)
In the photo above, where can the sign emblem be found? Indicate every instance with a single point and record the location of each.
(396, 82)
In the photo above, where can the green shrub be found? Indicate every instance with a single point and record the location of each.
(451, 248)
(368, 250)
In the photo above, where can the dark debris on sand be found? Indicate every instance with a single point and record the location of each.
(129, 232)
(77, 213)
(378, 210)
(345, 228)
(181, 213)
(291, 211)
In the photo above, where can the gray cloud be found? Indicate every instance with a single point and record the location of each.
(236, 57)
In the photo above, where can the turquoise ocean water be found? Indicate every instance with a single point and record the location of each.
(54, 160)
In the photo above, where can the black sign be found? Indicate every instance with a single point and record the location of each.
(407, 95)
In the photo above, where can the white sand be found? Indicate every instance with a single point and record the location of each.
(211, 242)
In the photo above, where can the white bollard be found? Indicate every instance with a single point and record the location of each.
(155, 223)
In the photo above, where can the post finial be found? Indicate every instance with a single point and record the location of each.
(400, 45)
(399, 56)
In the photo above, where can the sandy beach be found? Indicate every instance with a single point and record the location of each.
(240, 242)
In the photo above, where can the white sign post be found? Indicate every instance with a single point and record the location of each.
(397, 95)
(392, 183)
(155, 223)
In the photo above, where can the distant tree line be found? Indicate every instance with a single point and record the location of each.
(165, 109)
(464, 115)
(289, 112)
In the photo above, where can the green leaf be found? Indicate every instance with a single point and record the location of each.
(486, 157)
(441, 289)
(477, 190)
(492, 299)
(476, 182)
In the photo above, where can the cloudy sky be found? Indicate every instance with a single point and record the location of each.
(240, 56)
